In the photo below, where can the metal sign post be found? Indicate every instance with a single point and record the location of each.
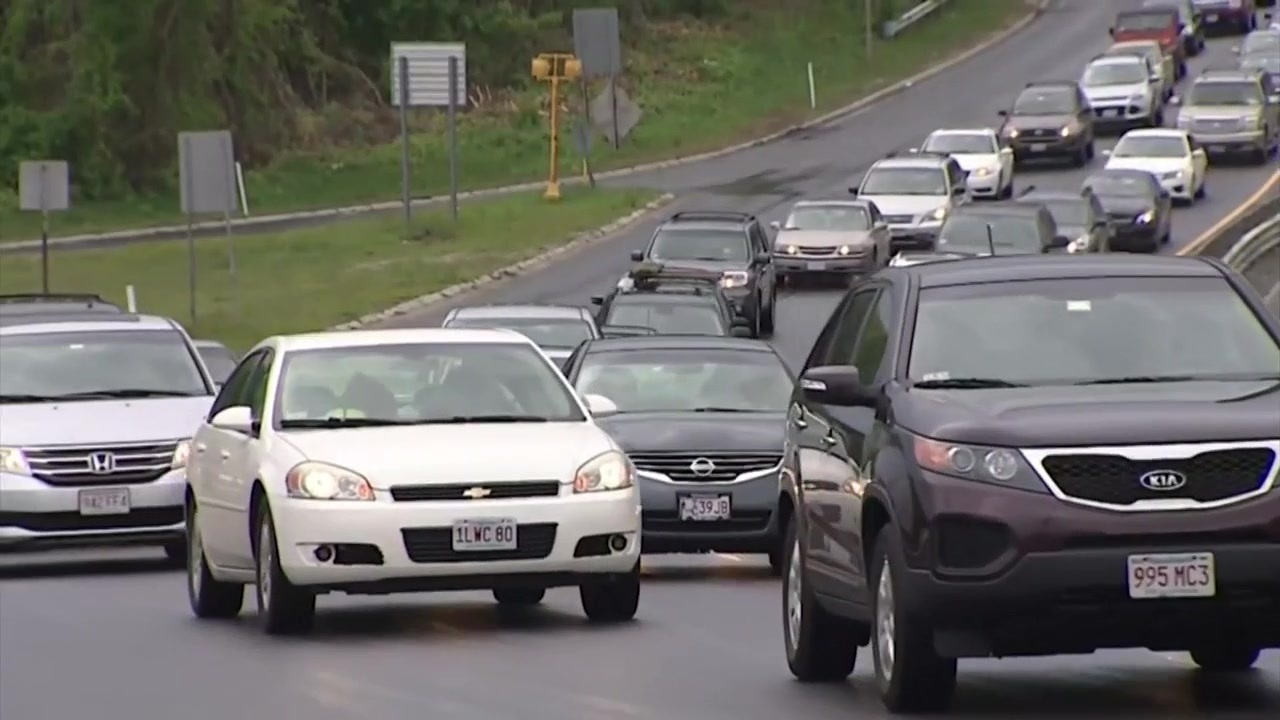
(207, 175)
(44, 187)
(429, 75)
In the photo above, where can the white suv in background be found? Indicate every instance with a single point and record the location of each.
(1124, 91)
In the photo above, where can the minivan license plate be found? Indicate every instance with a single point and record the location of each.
(485, 534)
(104, 501)
(1170, 575)
(705, 508)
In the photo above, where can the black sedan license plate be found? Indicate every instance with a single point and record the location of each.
(705, 508)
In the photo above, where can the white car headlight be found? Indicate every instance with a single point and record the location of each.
(312, 480)
(1171, 175)
(1146, 217)
(1079, 245)
(985, 171)
(13, 461)
(938, 215)
(607, 471)
(791, 250)
(180, 453)
(734, 279)
(844, 250)
(1066, 131)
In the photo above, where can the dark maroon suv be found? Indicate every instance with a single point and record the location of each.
(1034, 455)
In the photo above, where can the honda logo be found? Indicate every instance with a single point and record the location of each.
(102, 463)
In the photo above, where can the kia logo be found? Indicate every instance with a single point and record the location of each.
(1163, 480)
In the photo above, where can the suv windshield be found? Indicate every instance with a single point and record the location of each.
(905, 181)
(1145, 22)
(1090, 329)
(94, 365)
(962, 144)
(545, 332)
(1009, 234)
(1267, 61)
(1115, 73)
(1045, 101)
(700, 244)
(688, 380)
(1225, 93)
(839, 218)
(667, 318)
(420, 383)
(1150, 146)
(1260, 42)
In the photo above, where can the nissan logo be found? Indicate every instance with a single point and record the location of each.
(702, 467)
(1163, 480)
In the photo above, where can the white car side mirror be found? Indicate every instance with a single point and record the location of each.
(1106, 153)
(599, 406)
(1175, 100)
(775, 225)
(237, 418)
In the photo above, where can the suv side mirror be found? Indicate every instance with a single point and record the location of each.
(1003, 113)
(237, 418)
(838, 385)
(637, 256)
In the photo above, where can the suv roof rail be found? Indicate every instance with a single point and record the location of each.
(712, 215)
(650, 276)
(45, 303)
(44, 298)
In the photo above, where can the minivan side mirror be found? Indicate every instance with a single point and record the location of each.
(838, 385)
(237, 418)
(637, 255)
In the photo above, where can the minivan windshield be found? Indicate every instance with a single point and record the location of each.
(1084, 330)
(97, 365)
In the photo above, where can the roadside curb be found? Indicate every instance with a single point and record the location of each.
(265, 222)
(1207, 238)
(589, 237)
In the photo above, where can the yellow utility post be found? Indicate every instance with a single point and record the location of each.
(555, 68)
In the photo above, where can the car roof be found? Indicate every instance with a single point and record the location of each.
(74, 322)
(1014, 268)
(670, 294)
(922, 160)
(1060, 84)
(206, 343)
(1126, 44)
(1208, 76)
(1116, 60)
(1119, 172)
(1156, 132)
(405, 336)
(521, 311)
(964, 131)
(998, 209)
(680, 342)
(833, 202)
(1051, 196)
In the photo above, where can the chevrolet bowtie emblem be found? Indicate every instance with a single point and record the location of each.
(476, 493)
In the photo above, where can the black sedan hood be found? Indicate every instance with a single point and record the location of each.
(1064, 416)
(691, 432)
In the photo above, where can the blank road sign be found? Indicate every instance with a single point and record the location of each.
(596, 41)
(207, 172)
(428, 73)
(43, 185)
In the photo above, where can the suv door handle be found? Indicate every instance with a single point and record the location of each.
(799, 423)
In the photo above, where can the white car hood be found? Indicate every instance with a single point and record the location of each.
(1151, 165)
(971, 162)
(1106, 93)
(102, 422)
(426, 454)
(913, 205)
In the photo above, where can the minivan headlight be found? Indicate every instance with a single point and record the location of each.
(980, 463)
(12, 461)
(180, 454)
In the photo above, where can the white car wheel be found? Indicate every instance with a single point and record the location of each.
(208, 596)
(283, 608)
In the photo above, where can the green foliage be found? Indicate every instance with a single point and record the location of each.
(107, 84)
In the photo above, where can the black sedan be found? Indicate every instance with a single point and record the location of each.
(1141, 212)
(1079, 216)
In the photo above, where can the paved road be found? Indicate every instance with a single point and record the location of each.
(118, 644)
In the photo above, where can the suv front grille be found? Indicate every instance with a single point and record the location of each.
(704, 467)
(1210, 476)
(88, 465)
(1211, 126)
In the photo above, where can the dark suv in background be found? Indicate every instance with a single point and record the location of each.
(1050, 119)
(731, 243)
(1030, 455)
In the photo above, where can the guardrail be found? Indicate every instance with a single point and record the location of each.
(1257, 257)
(891, 28)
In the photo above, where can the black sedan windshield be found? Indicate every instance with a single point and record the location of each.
(968, 233)
(688, 380)
(668, 318)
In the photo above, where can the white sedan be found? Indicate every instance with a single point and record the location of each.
(979, 153)
(371, 462)
(1171, 155)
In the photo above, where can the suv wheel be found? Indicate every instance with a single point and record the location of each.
(821, 647)
(767, 315)
(1225, 658)
(283, 608)
(208, 596)
(911, 676)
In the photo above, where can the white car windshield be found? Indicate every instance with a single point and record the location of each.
(557, 333)
(667, 318)
(1263, 41)
(1114, 73)
(688, 380)
(1077, 330)
(93, 365)
(1150, 146)
(421, 383)
(700, 244)
(1225, 93)
(905, 181)
(839, 218)
(962, 144)
(1009, 235)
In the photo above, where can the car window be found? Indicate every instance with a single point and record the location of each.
(1121, 185)
(234, 391)
(674, 243)
(1102, 74)
(556, 333)
(685, 318)
(1239, 94)
(1045, 101)
(836, 218)
(845, 339)
(1071, 330)
(1009, 234)
(255, 392)
(687, 380)
(873, 342)
(1145, 21)
(218, 360)
(963, 143)
(1152, 146)
(905, 181)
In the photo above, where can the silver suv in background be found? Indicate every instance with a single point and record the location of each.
(1232, 111)
(96, 410)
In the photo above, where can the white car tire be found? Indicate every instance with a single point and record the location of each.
(283, 608)
(612, 599)
(209, 597)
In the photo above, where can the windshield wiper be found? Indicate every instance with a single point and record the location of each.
(966, 384)
(339, 422)
(714, 409)
(123, 393)
(1140, 379)
(475, 419)
(28, 398)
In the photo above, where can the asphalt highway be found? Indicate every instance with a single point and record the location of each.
(107, 635)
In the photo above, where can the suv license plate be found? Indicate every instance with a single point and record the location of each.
(104, 501)
(817, 266)
(1211, 17)
(705, 508)
(1180, 575)
(1039, 147)
(485, 534)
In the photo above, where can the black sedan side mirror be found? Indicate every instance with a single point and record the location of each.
(838, 385)
(637, 255)
(763, 258)
(1059, 242)
(853, 189)
(597, 299)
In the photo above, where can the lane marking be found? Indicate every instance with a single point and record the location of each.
(1195, 247)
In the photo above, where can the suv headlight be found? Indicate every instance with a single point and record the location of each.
(985, 170)
(180, 453)
(937, 215)
(321, 481)
(1146, 217)
(12, 461)
(607, 471)
(1252, 122)
(735, 279)
(1066, 131)
(980, 463)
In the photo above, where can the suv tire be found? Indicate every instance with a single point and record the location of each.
(912, 678)
(209, 597)
(283, 608)
(820, 646)
(1225, 658)
(767, 315)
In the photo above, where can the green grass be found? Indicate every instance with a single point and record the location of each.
(701, 87)
(313, 278)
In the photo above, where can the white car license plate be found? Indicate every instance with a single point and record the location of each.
(817, 266)
(485, 534)
(705, 508)
(1180, 575)
(1039, 147)
(1111, 113)
(104, 501)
